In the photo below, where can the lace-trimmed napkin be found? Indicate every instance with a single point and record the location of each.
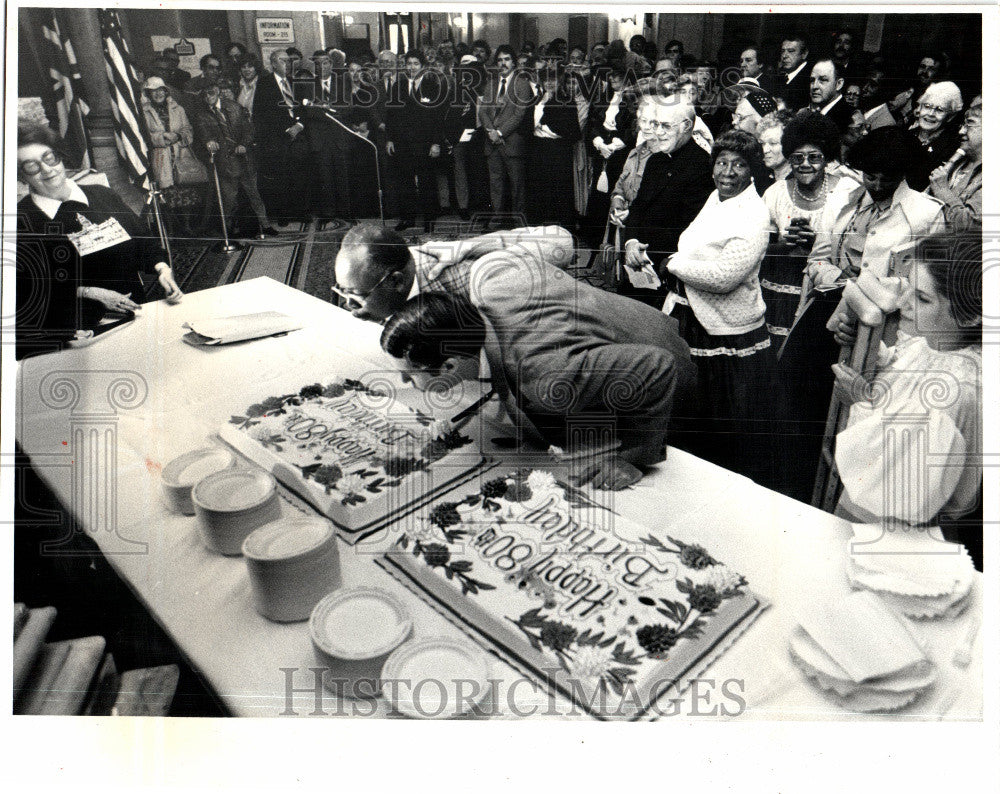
(914, 571)
(861, 653)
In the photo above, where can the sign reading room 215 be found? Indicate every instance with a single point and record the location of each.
(275, 31)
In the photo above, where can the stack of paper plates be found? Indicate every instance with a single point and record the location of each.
(914, 571)
(862, 654)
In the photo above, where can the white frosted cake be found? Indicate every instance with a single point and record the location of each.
(357, 454)
(612, 615)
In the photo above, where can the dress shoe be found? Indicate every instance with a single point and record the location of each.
(269, 231)
(404, 224)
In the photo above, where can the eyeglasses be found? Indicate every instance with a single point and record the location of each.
(32, 167)
(813, 158)
(658, 126)
(933, 109)
(358, 297)
(739, 118)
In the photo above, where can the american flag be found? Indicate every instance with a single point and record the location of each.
(66, 90)
(123, 83)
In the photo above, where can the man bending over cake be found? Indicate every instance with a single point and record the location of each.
(590, 372)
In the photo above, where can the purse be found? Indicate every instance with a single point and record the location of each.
(608, 256)
(188, 169)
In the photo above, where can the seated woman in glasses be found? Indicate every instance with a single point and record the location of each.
(959, 183)
(79, 249)
(938, 118)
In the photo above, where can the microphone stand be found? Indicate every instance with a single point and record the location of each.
(327, 113)
(154, 199)
(227, 245)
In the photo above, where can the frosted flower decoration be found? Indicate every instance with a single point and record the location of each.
(590, 661)
(350, 484)
(541, 481)
(723, 578)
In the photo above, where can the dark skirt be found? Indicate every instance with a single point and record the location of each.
(550, 182)
(803, 388)
(781, 286)
(728, 417)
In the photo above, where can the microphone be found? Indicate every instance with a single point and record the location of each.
(329, 114)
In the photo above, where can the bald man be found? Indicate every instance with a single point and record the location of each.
(676, 181)
(376, 272)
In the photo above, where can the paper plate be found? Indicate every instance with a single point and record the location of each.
(182, 473)
(359, 623)
(435, 678)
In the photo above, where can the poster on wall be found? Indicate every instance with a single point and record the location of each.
(189, 60)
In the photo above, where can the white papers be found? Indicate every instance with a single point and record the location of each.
(645, 278)
(466, 136)
(224, 330)
(863, 636)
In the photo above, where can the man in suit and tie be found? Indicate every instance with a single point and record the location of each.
(282, 149)
(508, 96)
(329, 143)
(415, 132)
(545, 335)
(793, 85)
(825, 85)
(222, 132)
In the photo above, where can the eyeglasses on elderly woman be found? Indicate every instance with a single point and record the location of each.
(32, 167)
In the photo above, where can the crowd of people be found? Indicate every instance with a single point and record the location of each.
(768, 209)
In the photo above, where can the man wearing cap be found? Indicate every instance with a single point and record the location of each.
(825, 84)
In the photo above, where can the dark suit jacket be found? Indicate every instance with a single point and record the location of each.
(507, 114)
(673, 190)
(567, 356)
(840, 114)
(416, 119)
(271, 115)
(560, 116)
(49, 269)
(208, 127)
(795, 93)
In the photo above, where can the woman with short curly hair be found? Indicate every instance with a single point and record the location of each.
(717, 301)
(810, 142)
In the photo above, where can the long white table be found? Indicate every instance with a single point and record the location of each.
(98, 424)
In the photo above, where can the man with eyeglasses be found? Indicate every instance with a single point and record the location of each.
(377, 272)
(663, 186)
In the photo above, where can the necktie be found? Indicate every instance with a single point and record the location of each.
(286, 91)
(502, 89)
(223, 121)
(326, 90)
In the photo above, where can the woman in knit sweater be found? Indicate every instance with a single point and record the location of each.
(720, 309)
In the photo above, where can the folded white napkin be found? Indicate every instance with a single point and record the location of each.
(862, 636)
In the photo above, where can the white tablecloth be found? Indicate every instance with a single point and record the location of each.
(140, 396)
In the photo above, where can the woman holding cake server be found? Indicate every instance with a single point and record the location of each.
(595, 374)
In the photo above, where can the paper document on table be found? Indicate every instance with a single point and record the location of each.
(645, 278)
(224, 330)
